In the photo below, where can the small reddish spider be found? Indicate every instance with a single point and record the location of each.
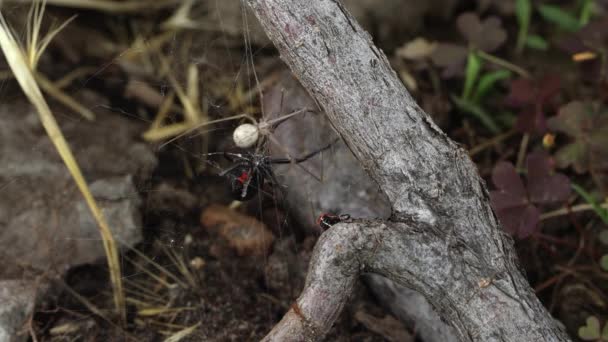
(325, 220)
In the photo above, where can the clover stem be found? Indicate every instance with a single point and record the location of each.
(523, 146)
(505, 64)
(491, 142)
(574, 209)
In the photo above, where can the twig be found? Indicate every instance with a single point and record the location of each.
(442, 234)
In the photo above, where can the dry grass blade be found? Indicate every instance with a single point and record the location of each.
(156, 265)
(180, 20)
(109, 5)
(181, 265)
(163, 110)
(71, 76)
(137, 296)
(178, 336)
(191, 112)
(62, 97)
(158, 311)
(194, 116)
(151, 274)
(24, 75)
(95, 310)
(140, 46)
(35, 47)
(142, 289)
(180, 17)
(35, 44)
(164, 132)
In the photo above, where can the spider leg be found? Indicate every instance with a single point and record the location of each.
(228, 170)
(277, 121)
(269, 174)
(276, 186)
(262, 173)
(302, 158)
(231, 156)
(202, 123)
(289, 160)
(213, 154)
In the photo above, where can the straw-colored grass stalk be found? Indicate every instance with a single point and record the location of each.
(22, 61)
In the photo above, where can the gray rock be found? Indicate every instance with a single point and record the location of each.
(45, 224)
(17, 300)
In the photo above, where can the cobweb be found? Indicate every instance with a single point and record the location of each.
(177, 273)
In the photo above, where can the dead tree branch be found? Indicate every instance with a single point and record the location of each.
(443, 239)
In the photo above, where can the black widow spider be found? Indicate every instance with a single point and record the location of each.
(251, 170)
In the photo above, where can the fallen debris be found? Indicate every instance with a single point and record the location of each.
(245, 234)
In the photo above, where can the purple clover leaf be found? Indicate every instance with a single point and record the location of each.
(533, 98)
(516, 206)
(486, 35)
(587, 126)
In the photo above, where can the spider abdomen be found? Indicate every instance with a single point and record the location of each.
(246, 135)
(244, 182)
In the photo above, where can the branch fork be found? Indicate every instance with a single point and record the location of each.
(443, 239)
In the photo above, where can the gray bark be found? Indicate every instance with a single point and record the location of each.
(344, 188)
(443, 239)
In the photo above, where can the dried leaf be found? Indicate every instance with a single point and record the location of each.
(451, 57)
(245, 234)
(416, 49)
(591, 38)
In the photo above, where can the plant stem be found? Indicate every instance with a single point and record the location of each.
(523, 11)
(505, 64)
(565, 211)
(522, 151)
(491, 142)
